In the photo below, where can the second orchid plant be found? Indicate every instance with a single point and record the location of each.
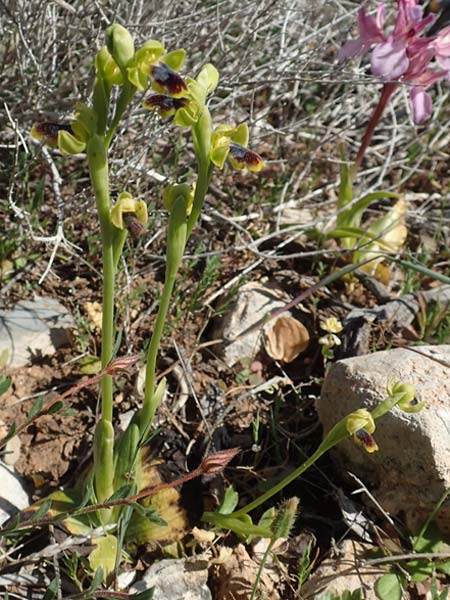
(184, 100)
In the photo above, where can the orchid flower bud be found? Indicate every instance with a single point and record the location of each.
(172, 192)
(120, 45)
(107, 68)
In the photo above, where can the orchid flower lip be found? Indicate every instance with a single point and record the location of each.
(48, 131)
(165, 105)
(244, 155)
(167, 80)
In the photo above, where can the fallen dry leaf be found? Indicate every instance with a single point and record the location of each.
(287, 339)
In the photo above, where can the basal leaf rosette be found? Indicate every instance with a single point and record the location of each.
(230, 143)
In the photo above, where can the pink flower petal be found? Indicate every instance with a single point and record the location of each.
(421, 104)
(389, 60)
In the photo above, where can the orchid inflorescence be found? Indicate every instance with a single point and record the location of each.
(405, 54)
(184, 101)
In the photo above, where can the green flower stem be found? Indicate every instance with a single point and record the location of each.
(204, 176)
(396, 393)
(176, 242)
(337, 434)
(98, 168)
(126, 95)
(201, 135)
(104, 433)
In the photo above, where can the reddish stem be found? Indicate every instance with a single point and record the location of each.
(386, 93)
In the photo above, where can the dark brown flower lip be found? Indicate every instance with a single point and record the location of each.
(365, 439)
(244, 155)
(50, 130)
(165, 104)
(167, 79)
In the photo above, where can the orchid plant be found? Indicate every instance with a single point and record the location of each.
(404, 55)
(154, 71)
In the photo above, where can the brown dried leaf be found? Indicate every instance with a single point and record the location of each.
(287, 339)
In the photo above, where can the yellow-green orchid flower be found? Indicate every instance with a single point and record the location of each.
(186, 109)
(126, 207)
(360, 424)
(231, 142)
(57, 135)
(150, 60)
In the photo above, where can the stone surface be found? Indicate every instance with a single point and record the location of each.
(347, 571)
(254, 303)
(31, 327)
(183, 579)
(411, 470)
(13, 497)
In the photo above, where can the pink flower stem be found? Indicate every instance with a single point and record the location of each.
(386, 93)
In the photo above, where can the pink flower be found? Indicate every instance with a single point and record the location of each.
(403, 56)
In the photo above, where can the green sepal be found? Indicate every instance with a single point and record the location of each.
(172, 192)
(138, 70)
(138, 78)
(219, 156)
(175, 59)
(69, 144)
(85, 123)
(241, 135)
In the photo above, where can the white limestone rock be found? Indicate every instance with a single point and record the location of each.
(181, 579)
(36, 326)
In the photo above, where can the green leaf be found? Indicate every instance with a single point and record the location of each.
(351, 217)
(90, 365)
(104, 555)
(52, 590)
(175, 59)
(12, 431)
(388, 587)
(96, 580)
(54, 408)
(146, 595)
(5, 383)
(229, 502)
(37, 198)
(36, 408)
(123, 492)
(42, 510)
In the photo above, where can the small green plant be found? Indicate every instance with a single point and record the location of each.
(360, 425)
